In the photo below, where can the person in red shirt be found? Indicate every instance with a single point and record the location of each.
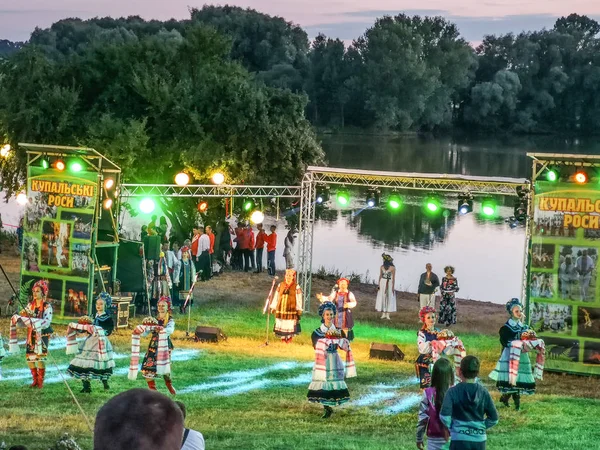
(260, 245)
(271, 240)
(211, 250)
(249, 252)
(195, 241)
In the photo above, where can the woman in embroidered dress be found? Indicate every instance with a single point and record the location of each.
(38, 308)
(449, 288)
(165, 320)
(328, 386)
(183, 276)
(386, 293)
(344, 301)
(511, 331)
(425, 336)
(287, 307)
(95, 360)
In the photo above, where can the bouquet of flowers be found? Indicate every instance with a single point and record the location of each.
(528, 335)
(85, 320)
(333, 334)
(445, 335)
(26, 312)
(149, 321)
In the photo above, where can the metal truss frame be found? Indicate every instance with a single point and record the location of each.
(449, 184)
(209, 190)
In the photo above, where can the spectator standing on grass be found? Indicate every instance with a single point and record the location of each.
(192, 439)
(428, 283)
(468, 409)
(203, 255)
(20, 236)
(139, 419)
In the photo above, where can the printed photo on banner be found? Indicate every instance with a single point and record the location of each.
(542, 256)
(558, 349)
(38, 210)
(75, 301)
(30, 256)
(80, 263)
(551, 224)
(542, 285)
(588, 322)
(55, 243)
(591, 352)
(82, 223)
(55, 288)
(577, 273)
(551, 318)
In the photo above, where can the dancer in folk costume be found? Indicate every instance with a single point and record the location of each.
(162, 283)
(386, 293)
(510, 380)
(95, 360)
(184, 275)
(328, 386)
(37, 317)
(448, 288)
(152, 358)
(344, 301)
(287, 307)
(425, 336)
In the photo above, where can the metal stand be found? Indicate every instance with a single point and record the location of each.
(15, 297)
(185, 304)
(267, 310)
(145, 273)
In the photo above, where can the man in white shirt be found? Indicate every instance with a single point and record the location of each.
(203, 256)
(192, 440)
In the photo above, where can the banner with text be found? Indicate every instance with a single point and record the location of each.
(564, 306)
(57, 236)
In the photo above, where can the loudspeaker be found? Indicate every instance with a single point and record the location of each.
(152, 247)
(385, 351)
(209, 334)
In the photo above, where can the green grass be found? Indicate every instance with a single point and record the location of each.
(277, 416)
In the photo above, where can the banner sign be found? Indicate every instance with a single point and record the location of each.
(57, 236)
(564, 306)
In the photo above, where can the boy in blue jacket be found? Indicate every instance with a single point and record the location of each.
(468, 410)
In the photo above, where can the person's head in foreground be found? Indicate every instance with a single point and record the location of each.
(139, 419)
(469, 368)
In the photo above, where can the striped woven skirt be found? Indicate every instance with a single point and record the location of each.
(525, 381)
(91, 363)
(334, 390)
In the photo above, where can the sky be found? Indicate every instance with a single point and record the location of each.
(343, 19)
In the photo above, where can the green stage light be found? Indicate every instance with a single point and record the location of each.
(147, 205)
(343, 198)
(75, 165)
(489, 207)
(394, 202)
(248, 205)
(432, 204)
(552, 175)
(44, 163)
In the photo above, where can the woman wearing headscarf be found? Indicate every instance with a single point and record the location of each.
(344, 301)
(287, 307)
(328, 386)
(386, 293)
(95, 360)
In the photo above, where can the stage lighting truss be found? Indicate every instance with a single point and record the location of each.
(465, 204)
(373, 197)
(323, 194)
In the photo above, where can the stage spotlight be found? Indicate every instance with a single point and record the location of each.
(44, 162)
(248, 204)
(432, 204)
(580, 177)
(218, 178)
(147, 205)
(322, 194)
(22, 198)
(552, 175)
(5, 150)
(75, 165)
(372, 198)
(182, 179)
(257, 217)
(107, 204)
(343, 197)
(394, 202)
(489, 207)
(465, 205)
(202, 206)
(59, 164)
(109, 183)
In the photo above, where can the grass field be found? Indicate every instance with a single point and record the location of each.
(244, 396)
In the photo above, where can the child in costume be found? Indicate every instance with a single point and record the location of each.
(287, 307)
(95, 360)
(344, 301)
(328, 386)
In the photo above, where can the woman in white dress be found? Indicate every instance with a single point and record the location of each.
(386, 293)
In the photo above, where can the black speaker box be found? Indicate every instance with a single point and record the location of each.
(209, 334)
(385, 351)
(152, 247)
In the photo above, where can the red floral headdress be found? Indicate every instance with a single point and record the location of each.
(424, 311)
(343, 279)
(43, 285)
(167, 300)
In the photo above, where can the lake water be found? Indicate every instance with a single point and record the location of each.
(487, 256)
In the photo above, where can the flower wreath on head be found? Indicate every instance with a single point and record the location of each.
(424, 311)
(387, 258)
(106, 298)
(512, 303)
(167, 300)
(293, 271)
(43, 285)
(343, 279)
(327, 306)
